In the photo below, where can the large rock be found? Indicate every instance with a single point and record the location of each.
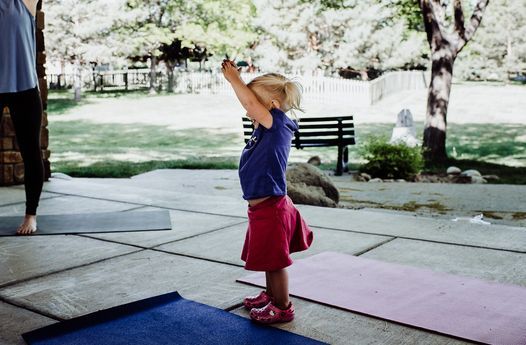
(376, 179)
(478, 179)
(471, 172)
(453, 170)
(310, 186)
(366, 176)
(316, 161)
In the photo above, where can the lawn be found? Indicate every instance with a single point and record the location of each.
(85, 145)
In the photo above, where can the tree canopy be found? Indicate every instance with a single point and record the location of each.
(287, 35)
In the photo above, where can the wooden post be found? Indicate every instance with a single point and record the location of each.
(11, 164)
(42, 81)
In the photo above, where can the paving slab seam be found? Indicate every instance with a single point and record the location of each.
(23, 188)
(134, 208)
(152, 205)
(232, 307)
(353, 231)
(426, 240)
(375, 246)
(110, 241)
(31, 309)
(23, 202)
(157, 245)
(203, 233)
(196, 257)
(7, 285)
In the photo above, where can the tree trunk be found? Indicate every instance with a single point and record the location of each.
(77, 81)
(171, 80)
(94, 77)
(153, 74)
(437, 104)
(445, 46)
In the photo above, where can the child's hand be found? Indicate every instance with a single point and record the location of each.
(230, 70)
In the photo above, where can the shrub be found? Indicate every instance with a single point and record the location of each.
(385, 160)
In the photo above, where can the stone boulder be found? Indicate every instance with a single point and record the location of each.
(310, 186)
(366, 176)
(453, 170)
(316, 160)
(376, 179)
(491, 177)
(471, 173)
(478, 179)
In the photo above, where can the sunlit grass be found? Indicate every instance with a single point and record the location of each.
(83, 147)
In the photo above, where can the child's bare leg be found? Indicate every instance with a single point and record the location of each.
(279, 282)
(269, 286)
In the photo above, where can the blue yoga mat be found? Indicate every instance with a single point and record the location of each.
(165, 319)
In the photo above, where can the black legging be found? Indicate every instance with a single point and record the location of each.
(25, 108)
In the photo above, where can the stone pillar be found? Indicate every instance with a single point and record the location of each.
(11, 164)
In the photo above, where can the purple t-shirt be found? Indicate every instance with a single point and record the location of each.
(263, 163)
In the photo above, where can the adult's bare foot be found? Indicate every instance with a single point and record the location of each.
(28, 226)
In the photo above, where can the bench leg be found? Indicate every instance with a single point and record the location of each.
(339, 162)
(345, 159)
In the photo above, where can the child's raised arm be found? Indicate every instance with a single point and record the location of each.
(255, 110)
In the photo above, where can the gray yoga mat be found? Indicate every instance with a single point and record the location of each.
(92, 223)
(464, 307)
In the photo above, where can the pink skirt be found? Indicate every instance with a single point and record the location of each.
(275, 229)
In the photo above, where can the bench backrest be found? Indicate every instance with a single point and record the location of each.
(317, 131)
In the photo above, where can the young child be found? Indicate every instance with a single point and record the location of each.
(275, 226)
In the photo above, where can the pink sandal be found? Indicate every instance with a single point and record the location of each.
(272, 314)
(257, 301)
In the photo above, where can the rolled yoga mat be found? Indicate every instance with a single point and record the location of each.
(165, 319)
(92, 223)
(463, 307)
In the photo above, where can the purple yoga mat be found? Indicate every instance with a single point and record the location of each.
(463, 307)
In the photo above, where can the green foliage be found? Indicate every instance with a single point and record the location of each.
(112, 30)
(499, 46)
(80, 30)
(298, 35)
(385, 160)
(335, 4)
(410, 11)
(219, 26)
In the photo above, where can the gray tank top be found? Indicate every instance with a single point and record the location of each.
(17, 47)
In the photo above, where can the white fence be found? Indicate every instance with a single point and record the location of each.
(317, 88)
(393, 82)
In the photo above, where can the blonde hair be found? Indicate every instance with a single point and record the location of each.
(286, 91)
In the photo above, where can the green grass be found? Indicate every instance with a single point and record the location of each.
(84, 148)
(120, 169)
(60, 102)
(87, 137)
(497, 143)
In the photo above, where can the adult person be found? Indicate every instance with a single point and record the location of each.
(19, 92)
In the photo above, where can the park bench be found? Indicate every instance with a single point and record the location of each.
(320, 132)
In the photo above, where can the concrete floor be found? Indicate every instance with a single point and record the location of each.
(44, 279)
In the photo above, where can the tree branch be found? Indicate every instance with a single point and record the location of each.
(459, 18)
(474, 22)
(432, 14)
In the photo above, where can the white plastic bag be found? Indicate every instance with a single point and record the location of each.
(478, 219)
